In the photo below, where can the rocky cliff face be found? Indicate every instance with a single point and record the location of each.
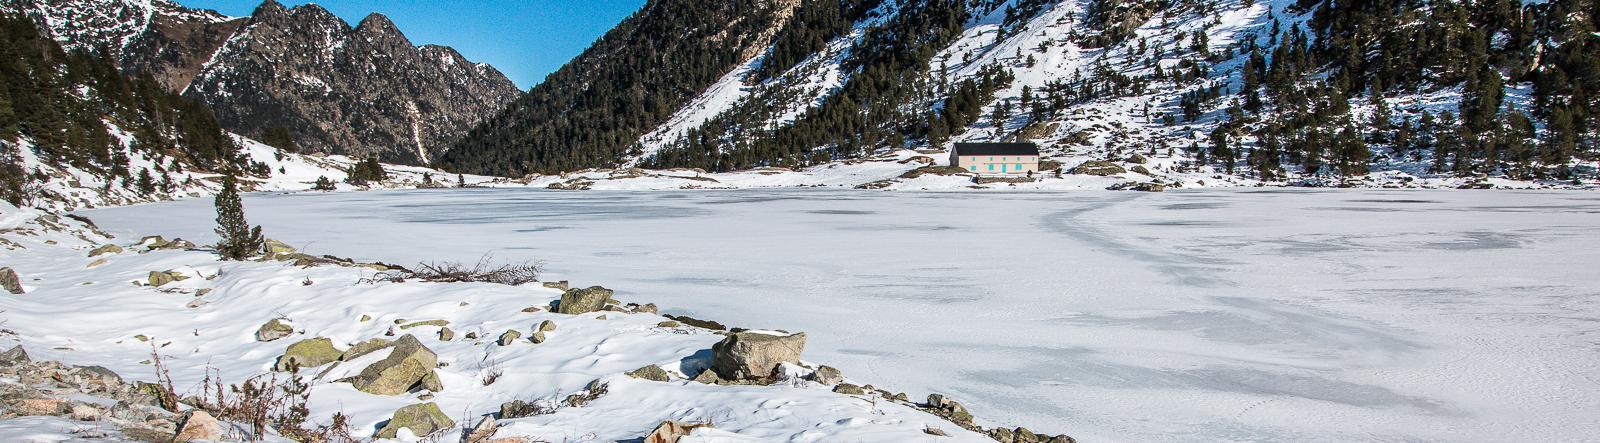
(358, 91)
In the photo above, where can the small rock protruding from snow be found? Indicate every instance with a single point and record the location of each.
(274, 329)
(198, 425)
(163, 278)
(14, 356)
(103, 250)
(949, 409)
(650, 372)
(518, 409)
(583, 301)
(671, 431)
(409, 364)
(1098, 168)
(421, 419)
(483, 431)
(309, 353)
(10, 281)
(752, 355)
(849, 389)
(509, 337)
(827, 375)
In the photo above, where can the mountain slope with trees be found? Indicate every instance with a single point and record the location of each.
(591, 111)
(1282, 90)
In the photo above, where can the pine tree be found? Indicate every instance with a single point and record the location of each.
(1219, 147)
(278, 137)
(237, 240)
(324, 184)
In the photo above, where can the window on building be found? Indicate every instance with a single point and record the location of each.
(991, 166)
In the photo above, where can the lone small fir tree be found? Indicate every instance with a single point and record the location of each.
(324, 184)
(238, 241)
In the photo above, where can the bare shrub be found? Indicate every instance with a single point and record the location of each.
(484, 271)
(166, 396)
(267, 402)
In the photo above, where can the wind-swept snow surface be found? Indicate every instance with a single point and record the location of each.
(1267, 315)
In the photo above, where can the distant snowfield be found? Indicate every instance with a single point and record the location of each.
(1276, 314)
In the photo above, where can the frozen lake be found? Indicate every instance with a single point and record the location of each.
(1215, 315)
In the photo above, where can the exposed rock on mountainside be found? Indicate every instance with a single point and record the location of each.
(358, 91)
(168, 41)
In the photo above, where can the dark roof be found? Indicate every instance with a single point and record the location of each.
(997, 149)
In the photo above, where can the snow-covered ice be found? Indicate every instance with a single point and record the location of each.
(1268, 314)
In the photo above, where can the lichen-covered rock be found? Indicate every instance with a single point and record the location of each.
(509, 337)
(273, 330)
(1098, 168)
(274, 248)
(10, 281)
(650, 372)
(162, 278)
(363, 348)
(445, 334)
(583, 301)
(827, 375)
(753, 355)
(562, 285)
(158, 279)
(949, 409)
(198, 425)
(668, 324)
(849, 389)
(440, 323)
(422, 419)
(153, 242)
(547, 326)
(537, 338)
(309, 353)
(431, 382)
(103, 250)
(709, 377)
(408, 363)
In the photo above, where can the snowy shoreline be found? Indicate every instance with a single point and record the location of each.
(219, 301)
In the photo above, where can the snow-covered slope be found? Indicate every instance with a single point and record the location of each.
(78, 308)
(1050, 45)
(65, 188)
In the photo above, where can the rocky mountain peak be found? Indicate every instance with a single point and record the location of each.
(361, 91)
(270, 9)
(379, 24)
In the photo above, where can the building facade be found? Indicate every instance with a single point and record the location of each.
(996, 158)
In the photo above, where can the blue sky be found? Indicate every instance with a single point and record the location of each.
(525, 39)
